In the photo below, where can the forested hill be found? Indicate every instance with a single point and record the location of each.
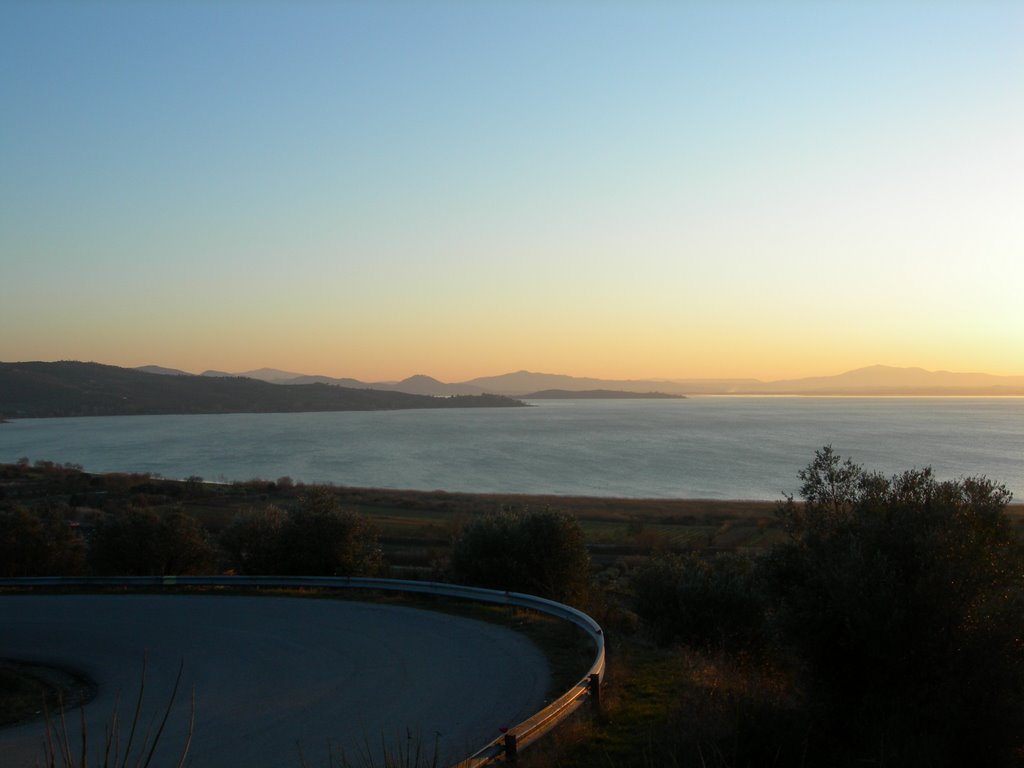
(68, 388)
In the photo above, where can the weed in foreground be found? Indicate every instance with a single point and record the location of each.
(412, 754)
(140, 746)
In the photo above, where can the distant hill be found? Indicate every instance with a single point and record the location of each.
(598, 394)
(162, 371)
(874, 380)
(352, 383)
(889, 380)
(427, 385)
(271, 375)
(526, 381)
(71, 388)
(414, 385)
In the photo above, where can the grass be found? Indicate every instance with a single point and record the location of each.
(140, 743)
(677, 708)
(413, 753)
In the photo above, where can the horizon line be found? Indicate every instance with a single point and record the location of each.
(526, 371)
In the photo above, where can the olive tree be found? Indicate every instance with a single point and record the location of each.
(252, 540)
(541, 553)
(318, 538)
(34, 544)
(705, 602)
(903, 599)
(144, 543)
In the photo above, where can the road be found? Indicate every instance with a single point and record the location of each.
(278, 682)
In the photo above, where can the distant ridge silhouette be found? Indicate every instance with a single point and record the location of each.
(873, 380)
(72, 388)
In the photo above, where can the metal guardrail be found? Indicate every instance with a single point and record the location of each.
(501, 749)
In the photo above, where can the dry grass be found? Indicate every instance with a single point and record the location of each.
(681, 709)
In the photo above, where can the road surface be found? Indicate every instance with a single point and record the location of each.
(279, 682)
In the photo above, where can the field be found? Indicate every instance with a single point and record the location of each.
(414, 528)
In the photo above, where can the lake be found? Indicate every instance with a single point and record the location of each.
(700, 447)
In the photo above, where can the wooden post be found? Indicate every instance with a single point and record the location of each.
(511, 748)
(595, 692)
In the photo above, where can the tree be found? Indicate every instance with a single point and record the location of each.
(253, 540)
(540, 553)
(38, 545)
(903, 599)
(321, 538)
(186, 546)
(705, 602)
(142, 543)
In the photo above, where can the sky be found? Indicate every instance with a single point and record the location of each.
(461, 189)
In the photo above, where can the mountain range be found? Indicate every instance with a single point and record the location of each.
(875, 380)
(71, 388)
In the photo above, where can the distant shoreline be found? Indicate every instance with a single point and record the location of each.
(598, 394)
(518, 402)
(621, 508)
(870, 381)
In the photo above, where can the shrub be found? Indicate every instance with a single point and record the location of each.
(539, 553)
(317, 539)
(143, 543)
(252, 541)
(38, 545)
(700, 602)
(903, 599)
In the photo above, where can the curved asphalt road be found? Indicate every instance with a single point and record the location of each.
(274, 676)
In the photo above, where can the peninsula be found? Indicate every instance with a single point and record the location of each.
(71, 388)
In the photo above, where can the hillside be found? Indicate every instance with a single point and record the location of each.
(889, 380)
(598, 394)
(875, 380)
(69, 388)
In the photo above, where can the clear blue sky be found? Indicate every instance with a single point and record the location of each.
(460, 189)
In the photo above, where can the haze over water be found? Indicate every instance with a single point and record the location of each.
(701, 447)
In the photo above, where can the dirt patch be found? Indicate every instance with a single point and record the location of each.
(28, 690)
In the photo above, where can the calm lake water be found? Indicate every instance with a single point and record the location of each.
(701, 447)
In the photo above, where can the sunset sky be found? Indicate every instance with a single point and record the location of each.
(610, 189)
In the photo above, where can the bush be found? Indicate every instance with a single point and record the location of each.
(317, 539)
(701, 602)
(252, 541)
(538, 553)
(143, 543)
(903, 598)
(35, 545)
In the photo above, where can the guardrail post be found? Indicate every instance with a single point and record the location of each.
(511, 748)
(595, 692)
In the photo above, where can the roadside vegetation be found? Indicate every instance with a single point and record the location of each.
(867, 620)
